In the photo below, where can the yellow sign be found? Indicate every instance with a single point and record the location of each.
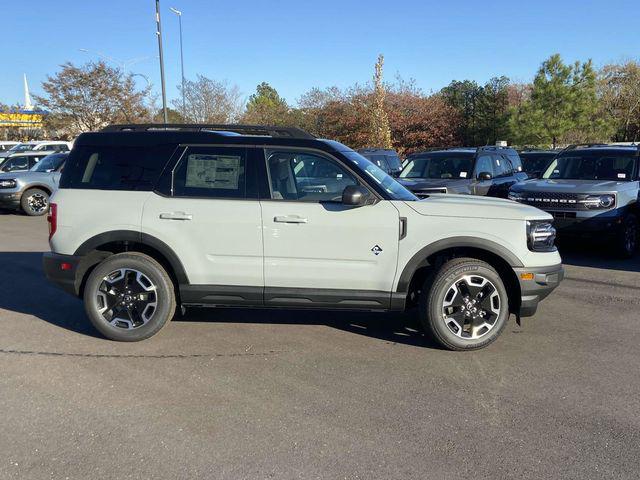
(21, 119)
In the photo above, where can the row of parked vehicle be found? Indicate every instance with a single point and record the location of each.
(29, 174)
(590, 189)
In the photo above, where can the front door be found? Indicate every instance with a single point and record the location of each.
(317, 250)
(211, 219)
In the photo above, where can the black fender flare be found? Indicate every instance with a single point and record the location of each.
(138, 237)
(454, 242)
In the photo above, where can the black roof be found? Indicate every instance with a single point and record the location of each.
(162, 134)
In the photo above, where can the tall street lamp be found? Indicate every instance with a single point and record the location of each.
(179, 14)
(164, 90)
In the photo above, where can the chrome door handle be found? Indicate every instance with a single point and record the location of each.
(176, 216)
(289, 219)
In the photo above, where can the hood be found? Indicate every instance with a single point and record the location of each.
(420, 183)
(26, 174)
(568, 186)
(470, 206)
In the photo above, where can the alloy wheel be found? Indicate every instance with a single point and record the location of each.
(38, 203)
(471, 307)
(127, 298)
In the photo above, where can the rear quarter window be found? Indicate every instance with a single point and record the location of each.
(115, 168)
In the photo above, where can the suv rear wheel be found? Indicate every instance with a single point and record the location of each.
(464, 304)
(35, 202)
(129, 297)
(628, 237)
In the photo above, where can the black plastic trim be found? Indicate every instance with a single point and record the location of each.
(454, 242)
(221, 295)
(327, 298)
(138, 237)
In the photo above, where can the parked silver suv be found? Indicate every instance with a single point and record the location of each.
(30, 191)
(591, 190)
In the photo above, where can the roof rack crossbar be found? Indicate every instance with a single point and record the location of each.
(258, 130)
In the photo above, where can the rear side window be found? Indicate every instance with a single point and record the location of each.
(115, 168)
(211, 172)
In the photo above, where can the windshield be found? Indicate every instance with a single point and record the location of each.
(535, 162)
(615, 166)
(380, 177)
(23, 147)
(440, 166)
(49, 163)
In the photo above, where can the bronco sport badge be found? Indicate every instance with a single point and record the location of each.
(376, 250)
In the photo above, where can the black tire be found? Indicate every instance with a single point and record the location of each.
(444, 282)
(95, 294)
(627, 240)
(35, 202)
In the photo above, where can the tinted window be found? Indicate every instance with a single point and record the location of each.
(212, 173)
(115, 168)
(439, 165)
(535, 162)
(484, 163)
(15, 164)
(593, 165)
(501, 166)
(306, 177)
(514, 158)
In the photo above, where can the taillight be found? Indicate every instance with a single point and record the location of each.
(52, 218)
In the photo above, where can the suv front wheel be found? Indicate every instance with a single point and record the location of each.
(464, 304)
(129, 297)
(35, 202)
(628, 237)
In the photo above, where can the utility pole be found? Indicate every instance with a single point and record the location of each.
(164, 90)
(179, 14)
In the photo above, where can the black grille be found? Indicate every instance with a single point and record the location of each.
(559, 200)
(425, 192)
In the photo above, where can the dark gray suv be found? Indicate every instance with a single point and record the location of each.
(489, 171)
(591, 190)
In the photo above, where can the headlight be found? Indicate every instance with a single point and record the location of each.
(599, 201)
(541, 236)
(8, 183)
(515, 196)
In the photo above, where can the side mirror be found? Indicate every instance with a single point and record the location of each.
(355, 196)
(484, 176)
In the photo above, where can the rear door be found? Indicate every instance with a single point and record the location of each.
(318, 251)
(210, 217)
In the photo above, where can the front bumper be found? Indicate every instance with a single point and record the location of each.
(571, 224)
(532, 290)
(10, 199)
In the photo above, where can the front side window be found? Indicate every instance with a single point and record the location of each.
(305, 176)
(484, 164)
(211, 172)
(439, 166)
(593, 166)
(16, 164)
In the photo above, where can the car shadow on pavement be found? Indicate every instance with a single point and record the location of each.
(24, 289)
(596, 255)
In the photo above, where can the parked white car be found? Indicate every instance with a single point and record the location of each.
(146, 220)
(50, 146)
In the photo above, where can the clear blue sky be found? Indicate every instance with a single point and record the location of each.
(295, 45)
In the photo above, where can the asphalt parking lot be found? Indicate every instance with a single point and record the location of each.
(252, 394)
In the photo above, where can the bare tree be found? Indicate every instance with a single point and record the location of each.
(91, 96)
(209, 101)
(619, 90)
(380, 130)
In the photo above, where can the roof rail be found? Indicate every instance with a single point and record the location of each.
(257, 130)
(573, 146)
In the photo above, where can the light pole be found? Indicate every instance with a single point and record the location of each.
(164, 90)
(179, 14)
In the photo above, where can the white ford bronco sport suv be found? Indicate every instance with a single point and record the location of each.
(148, 218)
